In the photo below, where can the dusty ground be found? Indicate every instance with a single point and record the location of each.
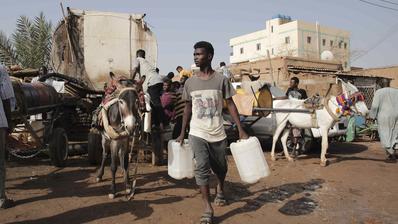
(357, 187)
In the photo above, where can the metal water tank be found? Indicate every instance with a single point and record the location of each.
(35, 98)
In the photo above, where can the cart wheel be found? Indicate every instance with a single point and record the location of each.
(94, 148)
(308, 145)
(58, 147)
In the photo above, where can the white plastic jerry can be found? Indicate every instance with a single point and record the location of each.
(180, 160)
(250, 160)
(147, 122)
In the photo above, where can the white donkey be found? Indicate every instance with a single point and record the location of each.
(324, 119)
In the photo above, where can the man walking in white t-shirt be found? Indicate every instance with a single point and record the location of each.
(204, 94)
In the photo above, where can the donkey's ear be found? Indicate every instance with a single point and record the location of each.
(112, 75)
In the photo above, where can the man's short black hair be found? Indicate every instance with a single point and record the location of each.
(170, 75)
(222, 64)
(178, 67)
(176, 85)
(296, 80)
(140, 53)
(206, 45)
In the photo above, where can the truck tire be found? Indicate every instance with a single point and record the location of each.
(94, 148)
(58, 147)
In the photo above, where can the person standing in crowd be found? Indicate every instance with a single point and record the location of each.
(295, 92)
(170, 75)
(385, 110)
(6, 95)
(224, 70)
(183, 72)
(178, 108)
(153, 85)
(204, 94)
(168, 100)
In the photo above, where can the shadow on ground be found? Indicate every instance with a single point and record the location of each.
(139, 208)
(301, 206)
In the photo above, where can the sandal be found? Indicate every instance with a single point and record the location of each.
(391, 159)
(220, 200)
(207, 218)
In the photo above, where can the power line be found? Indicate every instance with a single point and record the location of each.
(389, 33)
(378, 5)
(394, 3)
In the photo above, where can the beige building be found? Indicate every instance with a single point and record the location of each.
(283, 36)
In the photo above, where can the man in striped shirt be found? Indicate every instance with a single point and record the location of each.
(6, 95)
(179, 109)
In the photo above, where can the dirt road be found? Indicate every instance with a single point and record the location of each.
(357, 187)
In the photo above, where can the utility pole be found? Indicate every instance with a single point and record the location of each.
(271, 71)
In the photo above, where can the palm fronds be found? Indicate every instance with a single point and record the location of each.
(42, 40)
(7, 51)
(31, 42)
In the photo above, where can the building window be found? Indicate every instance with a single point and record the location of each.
(331, 43)
(308, 40)
(287, 40)
(345, 64)
(323, 42)
(272, 51)
(241, 50)
(345, 45)
(258, 46)
(272, 29)
(340, 43)
(231, 54)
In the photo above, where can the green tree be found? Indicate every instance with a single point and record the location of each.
(30, 45)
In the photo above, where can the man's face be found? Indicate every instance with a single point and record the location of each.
(179, 70)
(201, 57)
(293, 84)
(166, 86)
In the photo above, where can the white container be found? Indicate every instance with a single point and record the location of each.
(147, 122)
(180, 160)
(250, 160)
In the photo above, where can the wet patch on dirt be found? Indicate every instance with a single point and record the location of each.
(278, 194)
(301, 206)
(283, 192)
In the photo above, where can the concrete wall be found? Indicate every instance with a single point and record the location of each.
(312, 83)
(388, 72)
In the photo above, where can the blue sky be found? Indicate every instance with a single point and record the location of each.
(179, 24)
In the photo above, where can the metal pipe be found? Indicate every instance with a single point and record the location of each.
(271, 69)
(67, 32)
(318, 41)
(131, 56)
(283, 110)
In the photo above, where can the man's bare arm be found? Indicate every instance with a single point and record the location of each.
(134, 71)
(235, 116)
(185, 119)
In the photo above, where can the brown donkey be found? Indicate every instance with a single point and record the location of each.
(120, 117)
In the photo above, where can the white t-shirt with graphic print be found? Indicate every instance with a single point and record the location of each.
(207, 98)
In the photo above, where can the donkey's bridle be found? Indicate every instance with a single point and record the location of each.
(347, 103)
(120, 111)
(110, 131)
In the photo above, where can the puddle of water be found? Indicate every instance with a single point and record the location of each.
(301, 206)
(277, 194)
(281, 193)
